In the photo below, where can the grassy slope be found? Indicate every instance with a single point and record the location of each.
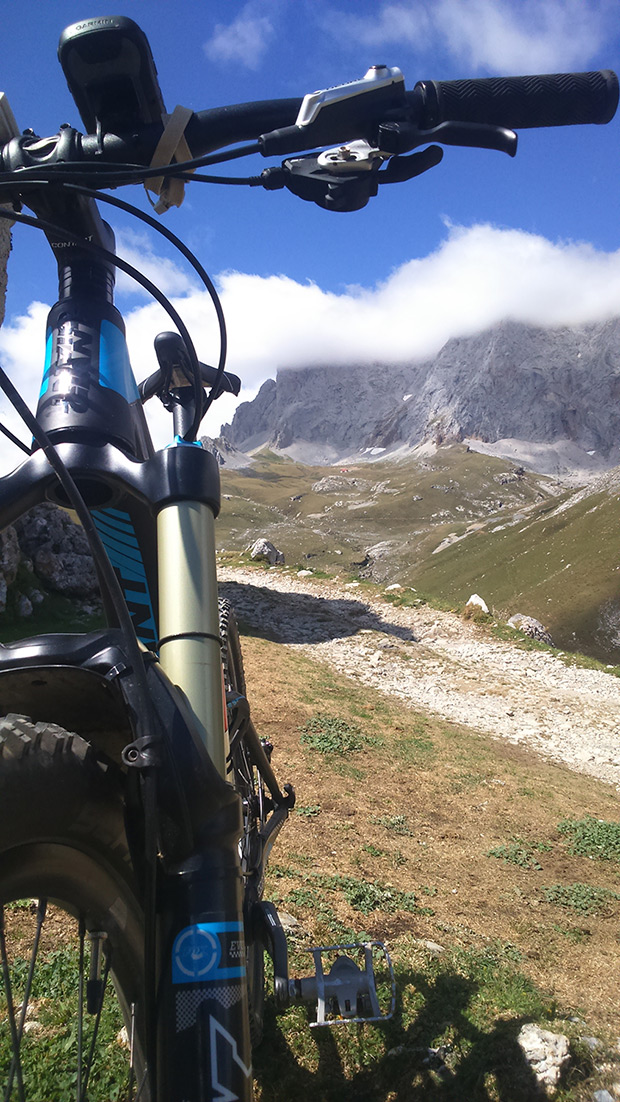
(447, 846)
(415, 503)
(559, 567)
(509, 542)
(394, 841)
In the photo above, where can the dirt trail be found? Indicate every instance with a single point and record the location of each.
(439, 663)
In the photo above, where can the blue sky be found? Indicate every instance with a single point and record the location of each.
(478, 238)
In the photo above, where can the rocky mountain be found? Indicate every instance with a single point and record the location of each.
(510, 383)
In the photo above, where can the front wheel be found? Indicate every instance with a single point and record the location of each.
(71, 934)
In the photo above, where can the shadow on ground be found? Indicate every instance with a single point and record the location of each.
(399, 1064)
(303, 617)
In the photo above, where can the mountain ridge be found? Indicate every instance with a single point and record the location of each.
(512, 382)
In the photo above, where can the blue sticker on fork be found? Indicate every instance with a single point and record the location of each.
(208, 951)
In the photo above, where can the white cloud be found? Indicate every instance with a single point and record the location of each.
(245, 40)
(477, 277)
(508, 36)
(533, 36)
(22, 349)
(137, 249)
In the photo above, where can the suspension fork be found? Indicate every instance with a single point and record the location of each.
(190, 652)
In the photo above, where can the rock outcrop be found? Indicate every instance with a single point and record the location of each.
(58, 550)
(511, 382)
(52, 552)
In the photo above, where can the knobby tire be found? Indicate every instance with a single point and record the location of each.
(62, 840)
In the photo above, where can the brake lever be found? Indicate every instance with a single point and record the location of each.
(401, 137)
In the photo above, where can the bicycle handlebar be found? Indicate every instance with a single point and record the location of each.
(497, 102)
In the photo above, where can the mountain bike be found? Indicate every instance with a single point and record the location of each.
(136, 796)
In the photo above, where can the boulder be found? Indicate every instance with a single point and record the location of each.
(263, 550)
(378, 562)
(23, 606)
(479, 602)
(529, 626)
(9, 561)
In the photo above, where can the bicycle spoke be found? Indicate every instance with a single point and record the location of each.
(141, 1087)
(41, 912)
(98, 992)
(8, 994)
(80, 1013)
(80, 1020)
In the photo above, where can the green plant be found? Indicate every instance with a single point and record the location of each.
(576, 934)
(414, 749)
(21, 905)
(309, 811)
(476, 614)
(367, 896)
(520, 853)
(49, 1051)
(397, 824)
(332, 735)
(590, 837)
(586, 899)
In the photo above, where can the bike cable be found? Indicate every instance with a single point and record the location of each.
(117, 175)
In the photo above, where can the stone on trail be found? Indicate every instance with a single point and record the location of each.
(548, 1054)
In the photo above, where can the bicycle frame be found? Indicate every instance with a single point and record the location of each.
(155, 513)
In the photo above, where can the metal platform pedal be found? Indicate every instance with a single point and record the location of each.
(348, 993)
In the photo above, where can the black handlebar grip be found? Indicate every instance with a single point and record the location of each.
(560, 99)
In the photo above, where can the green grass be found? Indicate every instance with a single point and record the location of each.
(522, 556)
(450, 1004)
(362, 895)
(56, 614)
(49, 1055)
(559, 568)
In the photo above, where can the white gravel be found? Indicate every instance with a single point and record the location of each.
(439, 663)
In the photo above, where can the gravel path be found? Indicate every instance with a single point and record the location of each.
(437, 662)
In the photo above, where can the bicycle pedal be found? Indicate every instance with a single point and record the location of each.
(357, 988)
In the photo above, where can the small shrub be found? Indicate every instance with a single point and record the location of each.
(374, 851)
(367, 896)
(476, 615)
